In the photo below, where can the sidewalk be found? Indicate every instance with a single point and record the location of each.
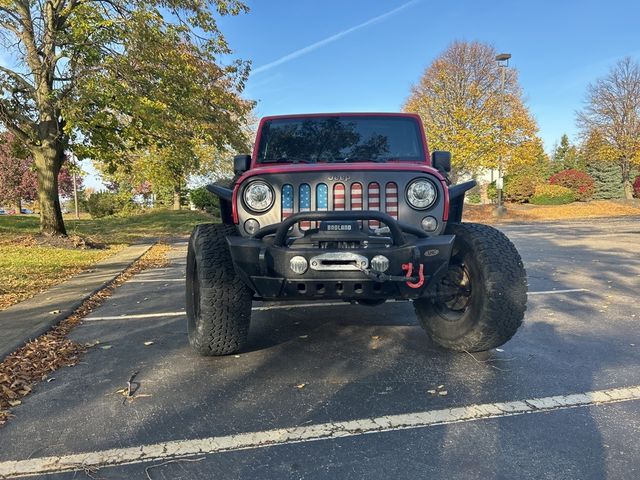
(33, 317)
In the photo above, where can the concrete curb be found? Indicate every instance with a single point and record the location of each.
(31, 318)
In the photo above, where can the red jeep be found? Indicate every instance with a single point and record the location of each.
(350, 207)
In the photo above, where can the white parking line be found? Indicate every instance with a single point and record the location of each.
(292, 305)
(140, 315)
(551, 292)
(306, 305)
(298, 305)
(160, 280)
(309, 433)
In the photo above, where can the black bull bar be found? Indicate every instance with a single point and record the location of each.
(416, 261)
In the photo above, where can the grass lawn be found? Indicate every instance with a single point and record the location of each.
(27, 267)
(112, 230)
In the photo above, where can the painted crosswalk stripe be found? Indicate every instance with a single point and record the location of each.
(309, 433)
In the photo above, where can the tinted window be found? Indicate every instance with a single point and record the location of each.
(340, 139)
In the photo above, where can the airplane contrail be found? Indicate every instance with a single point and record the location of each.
(332, 38)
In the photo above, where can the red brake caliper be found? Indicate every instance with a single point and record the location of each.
(409, 268)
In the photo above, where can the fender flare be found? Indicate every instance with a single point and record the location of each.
(456, 200)
(225, 195)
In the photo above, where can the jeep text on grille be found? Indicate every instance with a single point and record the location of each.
(350, 207)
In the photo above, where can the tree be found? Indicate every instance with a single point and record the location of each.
(65, 181)
(566, 156)
(112, 77)
(17, 181)
(459, 98)
(605, 173)
(610, 120)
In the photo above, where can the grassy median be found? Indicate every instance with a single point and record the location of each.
(30, 264)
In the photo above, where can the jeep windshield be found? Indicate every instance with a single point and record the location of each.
(361, 138)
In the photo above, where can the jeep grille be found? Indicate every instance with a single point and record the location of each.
(338, 197)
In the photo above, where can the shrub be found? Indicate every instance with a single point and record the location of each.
(552, 195)
(103, 204)
(636, 187)
(519, 188)
(580, 183)
(492, 191)
(203, 199)
(473, 196)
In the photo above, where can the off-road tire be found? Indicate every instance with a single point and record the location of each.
(218, 301)
(498, 294)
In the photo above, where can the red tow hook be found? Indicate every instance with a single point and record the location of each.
(409, 268)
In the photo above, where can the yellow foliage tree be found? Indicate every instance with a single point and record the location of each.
(610, 120)
(461, 102)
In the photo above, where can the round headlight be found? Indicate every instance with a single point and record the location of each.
(421, 194)
(258, 196)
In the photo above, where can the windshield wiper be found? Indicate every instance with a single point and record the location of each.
(290, 160)
(358, 159)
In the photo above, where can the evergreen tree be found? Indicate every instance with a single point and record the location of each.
(567, 156)
(608, 179)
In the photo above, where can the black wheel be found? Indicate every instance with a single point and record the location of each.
(480, 302)
(218, 301)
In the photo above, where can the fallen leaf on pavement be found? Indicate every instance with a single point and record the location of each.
(443, 392)
(303, 336)
(106, 347)
(54, 312)
(301, 385)
(14, 403)
(148, 343)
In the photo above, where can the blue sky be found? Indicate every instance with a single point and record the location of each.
(357, 55)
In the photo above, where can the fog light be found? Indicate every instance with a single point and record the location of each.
(251, 226)
(429, 224)
(380, 263)
(298, 264)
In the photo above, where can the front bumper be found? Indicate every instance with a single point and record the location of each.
(263, 262)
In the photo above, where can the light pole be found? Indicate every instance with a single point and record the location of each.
(74, 168)
(503, 63)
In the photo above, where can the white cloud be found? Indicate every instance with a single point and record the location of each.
(332, 38)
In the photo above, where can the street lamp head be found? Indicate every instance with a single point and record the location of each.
(503, 57)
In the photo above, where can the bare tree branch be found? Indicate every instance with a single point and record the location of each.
(18, 78)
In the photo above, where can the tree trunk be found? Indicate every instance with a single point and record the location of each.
(18, 205)
(176, 198)
(48, 161)
(626, 179)
(484, 195)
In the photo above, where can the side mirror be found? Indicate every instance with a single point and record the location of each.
(241, 163)
(441, 161)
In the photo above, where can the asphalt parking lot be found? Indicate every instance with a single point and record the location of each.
(346, 370)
